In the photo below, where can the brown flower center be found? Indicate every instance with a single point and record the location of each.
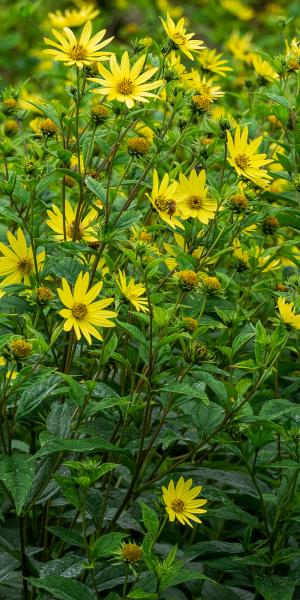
(70, 231)
(179, 39)
(79, 311)
(194, 202)
(178, 505)
(78, 52)
(242, 161)
(165, 205)
(25, 265)
(125, 87)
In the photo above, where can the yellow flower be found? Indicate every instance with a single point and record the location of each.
(244, 159)
(181, 502)
(132, 291)
(73, 17)
(125, 83)
(212, 62)
(219, 112)
(85, 51)
(163, 199)
(263, 69)
(82, 313)
(287, 314)
(192, 197)
(240, 45)
(237, 8)
(202, 85)
(180, 39)
(144, 131)
(17, 264)
(175, 65)
(10, 374)
(293, 54)
(85, 229)
(167, 7)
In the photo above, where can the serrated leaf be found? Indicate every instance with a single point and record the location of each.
(80, 445)
(108, 544)
(150, 519)
(63, 588)
(36, 393)
(17, 474)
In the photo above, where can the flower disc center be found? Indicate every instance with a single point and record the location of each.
(125, 87)
(178, 505)
(242, 161)
(79, 311)
(70, 231)
(78, 52)
(194, 201)
(25, 265)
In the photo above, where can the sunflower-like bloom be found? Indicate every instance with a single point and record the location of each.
(192, 197)
(73, 17)
(85, 228)
(182, 503)
(163, 199)
(180, 39)
(263, 69)
(202, 85)
(287, 313)
(125, 83)
(240, 45)
(237, 8)
(82, 313)
(17, 264)
(244, 159)
(211, 62)
(133, 292)
(80, 52)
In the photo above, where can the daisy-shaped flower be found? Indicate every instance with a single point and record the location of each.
(133, 292)
(192, 197)
(73, 17)
(202, 85)
(182, 503)
(211, 62)
(244, 159)
(80, 52)
(287, 313)
(126, 83)
(163, 199)
(81, 313)
(180, 39)
(239, 9)
(17, 262)
(85, 229)
(240, 45)
(263, 69)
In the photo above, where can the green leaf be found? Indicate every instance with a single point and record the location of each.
(71, 537)
(108, 544)
(194, 391)
(109, 348)
(63, 588)
(273, 587)
(17, 474)
(96, 187)
(134, 332)
(143, 595)
(36, 393)
(150, 519)
(240, 340)
(278, 99)
(81, 445)
(59, 420)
